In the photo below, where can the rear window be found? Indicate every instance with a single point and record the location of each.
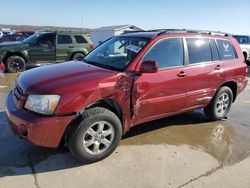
(226, 50)
(199, 50)
(64, 39)
(80, 39)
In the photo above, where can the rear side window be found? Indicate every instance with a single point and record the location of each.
(80, 39)
(214, 49)
(167, 53)
(64, 39)
(226, 49)
(199, 50)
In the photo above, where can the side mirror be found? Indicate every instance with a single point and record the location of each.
(148, 67)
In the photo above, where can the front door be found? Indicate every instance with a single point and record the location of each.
(163, 93)
(43, 49)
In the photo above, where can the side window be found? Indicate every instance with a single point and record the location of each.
(64, 39)
(214, 49)
(226, 49)
(198, 50)
(47, 41)
(167, 53)
(80, 39)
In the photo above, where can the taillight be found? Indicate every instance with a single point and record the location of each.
(91, 46)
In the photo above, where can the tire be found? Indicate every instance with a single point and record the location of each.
(15, 64)
(89, 145)
(78, 56)
(220, 105)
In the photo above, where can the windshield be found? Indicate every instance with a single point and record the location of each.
(32, 38)
(116, 53)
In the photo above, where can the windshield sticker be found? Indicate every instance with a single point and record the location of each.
(133, 48)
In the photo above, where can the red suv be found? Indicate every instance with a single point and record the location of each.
(128, 80)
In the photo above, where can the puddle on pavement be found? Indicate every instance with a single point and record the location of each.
(227, 141)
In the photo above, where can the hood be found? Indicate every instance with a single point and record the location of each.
(10, 44)
(52, 78)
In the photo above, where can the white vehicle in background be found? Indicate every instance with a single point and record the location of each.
(244, 42)
(5, 31)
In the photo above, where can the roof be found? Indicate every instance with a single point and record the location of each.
(118, 27)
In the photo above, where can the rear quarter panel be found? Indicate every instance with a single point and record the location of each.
(236, 70)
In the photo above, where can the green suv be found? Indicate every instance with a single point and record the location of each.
(42, 48)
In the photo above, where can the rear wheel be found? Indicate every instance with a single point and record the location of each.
(78, 56)
(15, 64)
(220, 104)
(96, 135)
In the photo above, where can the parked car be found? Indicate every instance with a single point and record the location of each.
(128, 80)
(44, 47)
(245, 45)
(17, 36)
(3, 33)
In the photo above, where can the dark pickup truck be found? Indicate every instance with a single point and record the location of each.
(44, 47)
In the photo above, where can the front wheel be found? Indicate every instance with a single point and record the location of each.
(220, 104)
(96, 135)
(15, 64)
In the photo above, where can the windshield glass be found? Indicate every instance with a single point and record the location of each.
(32, 38)
(116, 53)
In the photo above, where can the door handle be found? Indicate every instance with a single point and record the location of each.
(218, 67)
(182, 74)
(71, 46)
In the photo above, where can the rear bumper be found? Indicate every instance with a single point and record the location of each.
(41, 131)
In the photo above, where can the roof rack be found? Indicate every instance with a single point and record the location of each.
(169, 31)
(208, 32)
(63, 31)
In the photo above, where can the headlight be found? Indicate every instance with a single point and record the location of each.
(43, 104)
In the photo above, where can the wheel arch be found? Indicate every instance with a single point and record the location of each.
(8, 54)
(109, 104)
(233, 86)
(245, 53)
(81, 52)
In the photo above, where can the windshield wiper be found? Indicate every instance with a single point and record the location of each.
(101, 65)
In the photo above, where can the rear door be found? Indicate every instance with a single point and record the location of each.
(43, 49)
(204, 72)
(158, 94)
(64, 48)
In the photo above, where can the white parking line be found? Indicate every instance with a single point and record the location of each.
(2, 87)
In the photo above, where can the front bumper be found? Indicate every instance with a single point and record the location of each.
(41, 131)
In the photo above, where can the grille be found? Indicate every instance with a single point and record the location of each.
(18, 96)
(17, 92)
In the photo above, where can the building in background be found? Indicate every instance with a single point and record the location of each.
(99, 35)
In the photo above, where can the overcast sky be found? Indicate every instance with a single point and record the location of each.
(222, 15)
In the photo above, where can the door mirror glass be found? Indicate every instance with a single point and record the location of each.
(148, 67)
